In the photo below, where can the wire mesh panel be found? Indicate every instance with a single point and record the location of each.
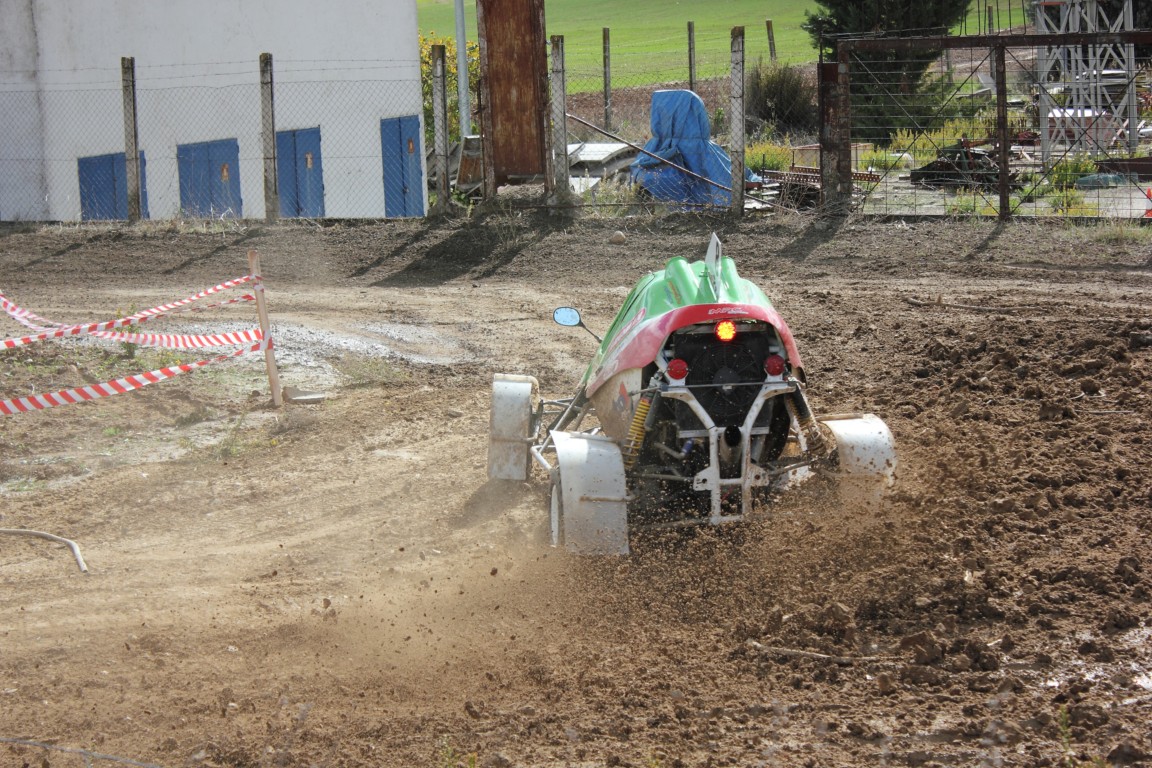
(994, 128)
(349, 148)
(643, 113)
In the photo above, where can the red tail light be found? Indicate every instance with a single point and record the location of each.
(725, 330)
(677, 369)
(774, 365)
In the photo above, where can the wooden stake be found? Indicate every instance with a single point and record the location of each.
(265, 327)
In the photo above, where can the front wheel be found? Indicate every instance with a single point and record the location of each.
(510, 428)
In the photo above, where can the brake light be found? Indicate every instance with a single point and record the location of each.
(725, 330)
(677, 369)
(774, 365)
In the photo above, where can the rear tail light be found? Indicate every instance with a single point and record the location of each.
(677, 369)
(774, 365)
(725, 330)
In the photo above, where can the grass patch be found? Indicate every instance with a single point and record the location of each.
(649, 38)
(364, 371)
(1121, 232)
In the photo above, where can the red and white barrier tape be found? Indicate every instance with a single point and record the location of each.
(178, 341)
(34, 321)
(118, 386)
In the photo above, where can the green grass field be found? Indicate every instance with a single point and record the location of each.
(649, 37)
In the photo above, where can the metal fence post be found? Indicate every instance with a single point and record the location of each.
(607, 81)
(1003, 177)
(736, 121)
(462, 80)
(561, 192)
(692, 56)
(131, 136)
(440, 128)
(268, 134)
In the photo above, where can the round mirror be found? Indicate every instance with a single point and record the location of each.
(569, 316)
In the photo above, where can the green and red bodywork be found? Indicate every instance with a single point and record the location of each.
(683, 293)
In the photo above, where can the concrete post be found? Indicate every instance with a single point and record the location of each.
(131, 136)
(561, 192)
(268, 139)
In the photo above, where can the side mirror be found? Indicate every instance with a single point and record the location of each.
(569, 316)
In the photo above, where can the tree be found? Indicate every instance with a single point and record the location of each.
(885, 84)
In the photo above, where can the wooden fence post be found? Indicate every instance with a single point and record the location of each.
(131, 136)
(771, 40)
(265, 328)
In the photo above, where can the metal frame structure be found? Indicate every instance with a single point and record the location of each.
(1088, 76)
(836, 78)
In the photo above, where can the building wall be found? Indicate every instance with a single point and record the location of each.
(342, 65)
(22, 184)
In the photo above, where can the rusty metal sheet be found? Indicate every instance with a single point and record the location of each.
(513, 88)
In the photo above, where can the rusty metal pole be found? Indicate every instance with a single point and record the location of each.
(1002, 155)
(607, 81)
(736, 121)
(692, 56)
(131, 136)
(843, 133)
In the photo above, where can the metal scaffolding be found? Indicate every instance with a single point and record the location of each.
(1086, 94)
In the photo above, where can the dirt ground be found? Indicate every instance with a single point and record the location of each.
(336, 584)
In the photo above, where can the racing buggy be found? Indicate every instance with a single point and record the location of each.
(692, 412)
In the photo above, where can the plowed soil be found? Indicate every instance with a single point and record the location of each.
(335, 583)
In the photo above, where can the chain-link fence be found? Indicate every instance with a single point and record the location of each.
(630, 137)
(1010, 125)
(1006, 125)
(347, 138)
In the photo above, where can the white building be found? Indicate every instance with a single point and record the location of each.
(347, 94)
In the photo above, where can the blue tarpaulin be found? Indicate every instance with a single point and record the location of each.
(681, 135)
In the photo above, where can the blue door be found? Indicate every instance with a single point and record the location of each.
(403, 171)
(210, 178)
(104, 187)
(300, 173)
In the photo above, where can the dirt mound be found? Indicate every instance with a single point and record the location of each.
(336, 584)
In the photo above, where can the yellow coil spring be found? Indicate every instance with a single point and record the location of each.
(635, 439)
(811, 429)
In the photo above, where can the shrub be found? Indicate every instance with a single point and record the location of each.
(780, 98)
(1069, 169)
(451, 80)
(767, 156)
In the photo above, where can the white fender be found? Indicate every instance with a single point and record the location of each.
(510, 427)
(866, 454)
(589, 495)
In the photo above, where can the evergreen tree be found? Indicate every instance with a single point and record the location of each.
(881, 77)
